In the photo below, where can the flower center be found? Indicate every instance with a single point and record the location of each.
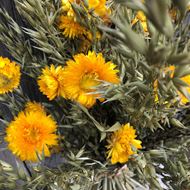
(4, 80)
(32, 134)
(89, 81)
(51, 83)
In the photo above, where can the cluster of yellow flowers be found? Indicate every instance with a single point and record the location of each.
(68, 22)
(78, 79)
(33, 132)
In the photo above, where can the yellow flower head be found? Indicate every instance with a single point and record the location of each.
(9, 75)
(99, 7)
(70, 27)
(83, 74)
(34, 106)
(31, 133)
(140, 16)
(123, 144)
(51, 82)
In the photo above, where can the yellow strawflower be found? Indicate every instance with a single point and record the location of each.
(99, 7)
(9, 75)
(123, 144)
(68, 22)
(31, 133)
(51, 82)
(83, 74)
(71, 28)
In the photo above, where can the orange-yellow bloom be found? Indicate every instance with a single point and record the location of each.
(71, 28)
(83, 74)
(99, 7)
(31, 133)
(51, 82)
(68, 22)
(9, 75)
(123, 144)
